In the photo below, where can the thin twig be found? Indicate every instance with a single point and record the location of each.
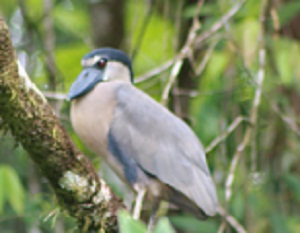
(254, 109)
(231, 220)
(55, 95)
(291, 123)
(186, 51)
(175, 70)
(219, 24)
(228, 131)
(49, 43)
(222, 226)
(286, 119)
(206, 58)
(197, 40)
(143, 30)
(155, 71)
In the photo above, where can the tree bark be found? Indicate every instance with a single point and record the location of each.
(25, 112)
(108, 23)
(186, 80)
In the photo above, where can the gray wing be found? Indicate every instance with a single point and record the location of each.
(163, 145)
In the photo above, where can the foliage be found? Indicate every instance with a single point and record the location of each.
(129, 225)
(12, 190)
(265, 194)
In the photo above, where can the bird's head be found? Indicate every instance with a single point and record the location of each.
(101, 65)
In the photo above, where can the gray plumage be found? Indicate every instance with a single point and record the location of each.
(163, 145)
(143, 142)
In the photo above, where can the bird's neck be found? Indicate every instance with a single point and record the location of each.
(116, 71)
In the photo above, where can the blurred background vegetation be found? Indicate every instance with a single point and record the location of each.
(226, 89)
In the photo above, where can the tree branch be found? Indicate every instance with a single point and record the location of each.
(231, 220)
(254, 110)
(225, 134)
(26, 113)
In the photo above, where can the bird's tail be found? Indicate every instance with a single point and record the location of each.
(181, 201)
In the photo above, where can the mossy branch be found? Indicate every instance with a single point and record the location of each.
(25, 112)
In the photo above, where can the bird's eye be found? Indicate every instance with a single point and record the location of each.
(102, 62)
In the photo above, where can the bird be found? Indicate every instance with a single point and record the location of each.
(152, 150)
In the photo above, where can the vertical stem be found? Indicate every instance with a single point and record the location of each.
(49, 43)
(254, 110)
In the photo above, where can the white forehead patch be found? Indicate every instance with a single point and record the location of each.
(90, 61)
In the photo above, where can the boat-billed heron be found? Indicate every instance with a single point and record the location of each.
(148, 147)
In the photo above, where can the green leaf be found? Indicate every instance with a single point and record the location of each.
(8, 7)
(148, 56)
(293, 182)
(279, 223)
(192, 225)
(208, 9)
(238, 206)
(68, 59)
(288, 11)
(72, 21)
(215, 69)
(14, 191)
(294, 223)
(34, 9)
(129, 225)
(283, 55)
(164, 226)
(287, 57)
(2, 191)
(250, 31)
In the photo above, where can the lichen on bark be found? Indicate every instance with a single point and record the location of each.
(31, 120)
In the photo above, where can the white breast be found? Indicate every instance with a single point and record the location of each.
(91, 116)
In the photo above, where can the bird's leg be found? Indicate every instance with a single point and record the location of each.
(138, 203)
(152, 220)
